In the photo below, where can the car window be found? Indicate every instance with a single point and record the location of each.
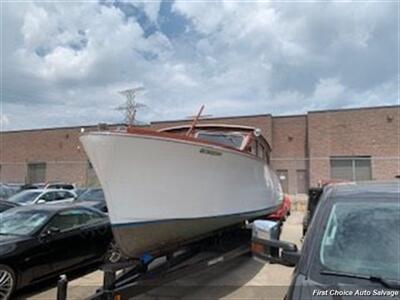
(61, 195)
(21, 222)
(25, 197)
(74, 218)
(363, 238)
(92, 195)
(48, 197)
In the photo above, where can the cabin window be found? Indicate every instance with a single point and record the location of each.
(231, 140)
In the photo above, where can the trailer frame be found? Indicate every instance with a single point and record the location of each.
(128, 279)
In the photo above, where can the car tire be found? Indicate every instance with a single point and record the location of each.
(8, 282)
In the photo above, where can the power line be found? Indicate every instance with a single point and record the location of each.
(131, 106)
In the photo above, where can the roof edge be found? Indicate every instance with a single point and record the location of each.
(213, 118)
(353, 108)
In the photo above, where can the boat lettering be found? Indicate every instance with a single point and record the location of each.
(210, 152)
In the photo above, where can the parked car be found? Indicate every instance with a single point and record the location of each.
(93, 197)
(38, 196)
(352, 243)
(80, 191)
(314, 195)
(6, 191)
(42, 241)
(33, 186)
(4, 205)
(60, 185)
(283, 211)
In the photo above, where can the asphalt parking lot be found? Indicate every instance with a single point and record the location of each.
(242, 278)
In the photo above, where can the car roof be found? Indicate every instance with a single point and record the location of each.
(47, 190)
(384, 188)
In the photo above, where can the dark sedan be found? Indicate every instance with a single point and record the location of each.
(42, 241)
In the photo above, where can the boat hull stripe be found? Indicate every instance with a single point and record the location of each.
(267, 210)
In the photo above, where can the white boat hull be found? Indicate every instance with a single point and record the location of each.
(163, 191)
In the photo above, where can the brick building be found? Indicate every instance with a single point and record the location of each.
(353, 144)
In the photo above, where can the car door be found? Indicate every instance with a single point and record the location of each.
(73, 240)
(47, 197)
(63, 196)
(97, 232)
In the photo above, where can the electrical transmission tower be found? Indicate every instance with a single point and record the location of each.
(131, 106)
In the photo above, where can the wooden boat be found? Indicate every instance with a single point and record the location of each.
(165, 188)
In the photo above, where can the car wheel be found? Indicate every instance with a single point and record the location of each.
(7, 282)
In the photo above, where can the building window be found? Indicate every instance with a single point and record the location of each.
(351, 168)
(36, 172)
(284, 179)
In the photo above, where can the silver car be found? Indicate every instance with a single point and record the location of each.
(41, 196)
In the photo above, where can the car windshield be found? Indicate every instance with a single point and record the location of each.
(25, 197)
(363, 238)
(92, 195)
(231, 140)
(21, 222)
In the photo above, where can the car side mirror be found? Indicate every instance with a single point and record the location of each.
(281, 252)
(41, 201)
(50, 232)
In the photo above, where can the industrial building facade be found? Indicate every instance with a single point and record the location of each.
(348, 144)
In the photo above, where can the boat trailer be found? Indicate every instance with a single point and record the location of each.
(128, 279)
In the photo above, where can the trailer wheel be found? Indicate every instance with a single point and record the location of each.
(7, 282)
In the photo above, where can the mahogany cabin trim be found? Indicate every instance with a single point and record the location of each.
(259, 147)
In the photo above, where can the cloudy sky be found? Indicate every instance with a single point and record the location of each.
(64, 63)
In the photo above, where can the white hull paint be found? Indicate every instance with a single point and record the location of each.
(153, 180)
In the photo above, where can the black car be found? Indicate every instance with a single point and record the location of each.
(42, 241)
(314, 195)
(352, 247)
(93, 197)
(60, 185)
(4, 205)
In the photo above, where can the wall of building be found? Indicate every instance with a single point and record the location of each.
(299, 143)
(59, 148)
(371, 132)
(289, 150)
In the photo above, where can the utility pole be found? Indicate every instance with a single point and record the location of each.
(130, 107)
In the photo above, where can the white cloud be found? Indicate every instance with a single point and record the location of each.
(65, 62)
(328, 89)
(4, 121)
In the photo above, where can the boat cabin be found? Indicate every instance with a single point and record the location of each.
(244, 138)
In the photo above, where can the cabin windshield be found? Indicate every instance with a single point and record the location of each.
(227, 139)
